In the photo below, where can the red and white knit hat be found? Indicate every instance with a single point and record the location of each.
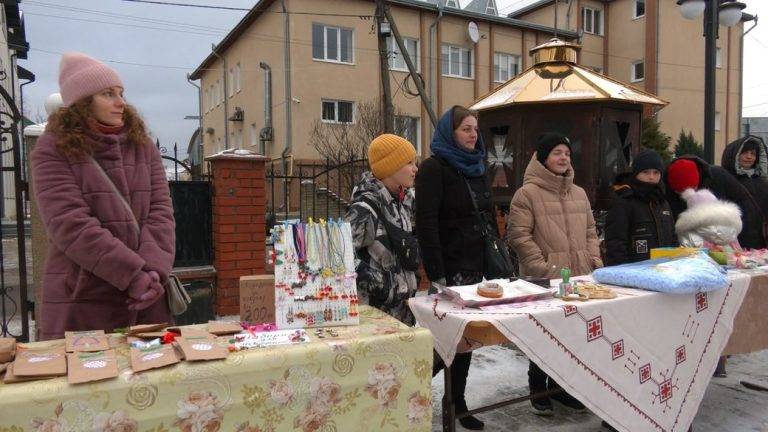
(81, 76)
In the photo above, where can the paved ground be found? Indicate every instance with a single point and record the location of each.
(10, 282)
(500, 373)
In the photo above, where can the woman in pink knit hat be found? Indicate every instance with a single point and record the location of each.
(103, 196)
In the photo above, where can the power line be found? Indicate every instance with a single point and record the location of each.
(246, 10)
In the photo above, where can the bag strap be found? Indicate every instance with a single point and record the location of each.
(119, 195)
(483, 224)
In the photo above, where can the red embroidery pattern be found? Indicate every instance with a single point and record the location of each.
(594, 328)
(701, 302)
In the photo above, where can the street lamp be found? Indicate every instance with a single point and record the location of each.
(716, 12)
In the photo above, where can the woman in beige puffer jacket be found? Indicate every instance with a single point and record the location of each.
(550, 223)
(551, 226)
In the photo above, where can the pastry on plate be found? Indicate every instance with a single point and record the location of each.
(490, 290)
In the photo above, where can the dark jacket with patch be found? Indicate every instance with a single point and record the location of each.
(639, 220)
(725, 187)
(755, 181)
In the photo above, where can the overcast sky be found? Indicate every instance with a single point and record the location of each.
(154, 47)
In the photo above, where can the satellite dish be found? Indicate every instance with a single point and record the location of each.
(473, 31)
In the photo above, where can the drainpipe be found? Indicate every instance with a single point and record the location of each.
(267, 101)
(432, 79)
(226, 110)
(741, 68)
(288, 98)
(200, 118)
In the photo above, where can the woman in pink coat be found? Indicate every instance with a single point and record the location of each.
(101, 189)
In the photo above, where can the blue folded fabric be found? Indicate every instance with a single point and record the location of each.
(680, 275)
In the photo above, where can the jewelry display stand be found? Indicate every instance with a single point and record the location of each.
(315, 279)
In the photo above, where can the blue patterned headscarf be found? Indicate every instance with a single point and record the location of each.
(470, 162)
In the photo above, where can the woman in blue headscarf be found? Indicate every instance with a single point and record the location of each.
(449, 231)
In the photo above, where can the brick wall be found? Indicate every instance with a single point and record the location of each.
(239, 208)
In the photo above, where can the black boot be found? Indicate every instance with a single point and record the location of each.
(564, 398)
(537, 383)
(459, 373)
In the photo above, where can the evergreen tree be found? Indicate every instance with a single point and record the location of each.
(651, 137)
(687, 144)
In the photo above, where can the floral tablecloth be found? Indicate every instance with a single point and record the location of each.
(371, 377)
(641, 361)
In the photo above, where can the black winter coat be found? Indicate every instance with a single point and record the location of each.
(755, 182)
(639, 220)
(725, 187)
(448, 230)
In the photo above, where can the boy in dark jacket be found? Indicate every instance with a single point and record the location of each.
(640, 218)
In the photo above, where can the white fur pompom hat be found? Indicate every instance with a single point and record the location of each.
(707, 218)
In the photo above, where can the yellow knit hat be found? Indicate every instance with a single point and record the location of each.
(388, 153)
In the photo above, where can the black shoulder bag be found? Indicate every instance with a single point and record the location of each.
(496, 261)
(404, 244)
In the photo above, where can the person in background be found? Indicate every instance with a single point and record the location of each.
(103, 197)
(550, 227)
(747, 160)
(447, 224)
(386, 190)
(640, 218)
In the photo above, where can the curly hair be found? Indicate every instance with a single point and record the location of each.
(70, 124)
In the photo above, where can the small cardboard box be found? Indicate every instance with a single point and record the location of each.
(146, 328)
(221, 328)
(91, 366)
(257, 299)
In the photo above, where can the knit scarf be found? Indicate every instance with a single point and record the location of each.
(470, 162)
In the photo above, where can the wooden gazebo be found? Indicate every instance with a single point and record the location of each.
(600, 115)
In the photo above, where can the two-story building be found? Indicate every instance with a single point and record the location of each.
(649, 44)
(331, 64)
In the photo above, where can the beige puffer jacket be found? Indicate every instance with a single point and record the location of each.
(551, 226)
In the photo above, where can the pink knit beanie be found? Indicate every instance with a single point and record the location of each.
(82, 76)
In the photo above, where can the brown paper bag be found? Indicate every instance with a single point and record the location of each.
(257, 299)
(91, 366)
(11, 378)
(153, 357)
(40, 362)
(7, 349)
(201, 348)
(92, 340)
(221, 328)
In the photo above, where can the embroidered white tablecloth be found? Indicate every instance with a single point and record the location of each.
(641, 361)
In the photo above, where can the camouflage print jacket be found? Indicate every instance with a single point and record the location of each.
(379, 275)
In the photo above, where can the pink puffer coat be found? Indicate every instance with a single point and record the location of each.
(94, 251)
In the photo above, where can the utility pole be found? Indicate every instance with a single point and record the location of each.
(411, 68)
(382, 31)
(711, 27)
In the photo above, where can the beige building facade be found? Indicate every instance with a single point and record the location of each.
(334, 67)
(649, 44)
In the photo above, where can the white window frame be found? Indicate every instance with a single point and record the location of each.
(397, 55)
(717, 121)
(339, 30)
(231, 79)
(336, 111)
(447, 61)
(719, 58)
(632, 77)
(238, 78)
(452, 3)
(497, 56)
(634, 9)
(491, 6)
(417, 121)
(592, 21)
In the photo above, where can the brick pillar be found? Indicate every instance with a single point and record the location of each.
(239, 209)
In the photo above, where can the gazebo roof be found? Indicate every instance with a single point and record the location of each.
(556, 78)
